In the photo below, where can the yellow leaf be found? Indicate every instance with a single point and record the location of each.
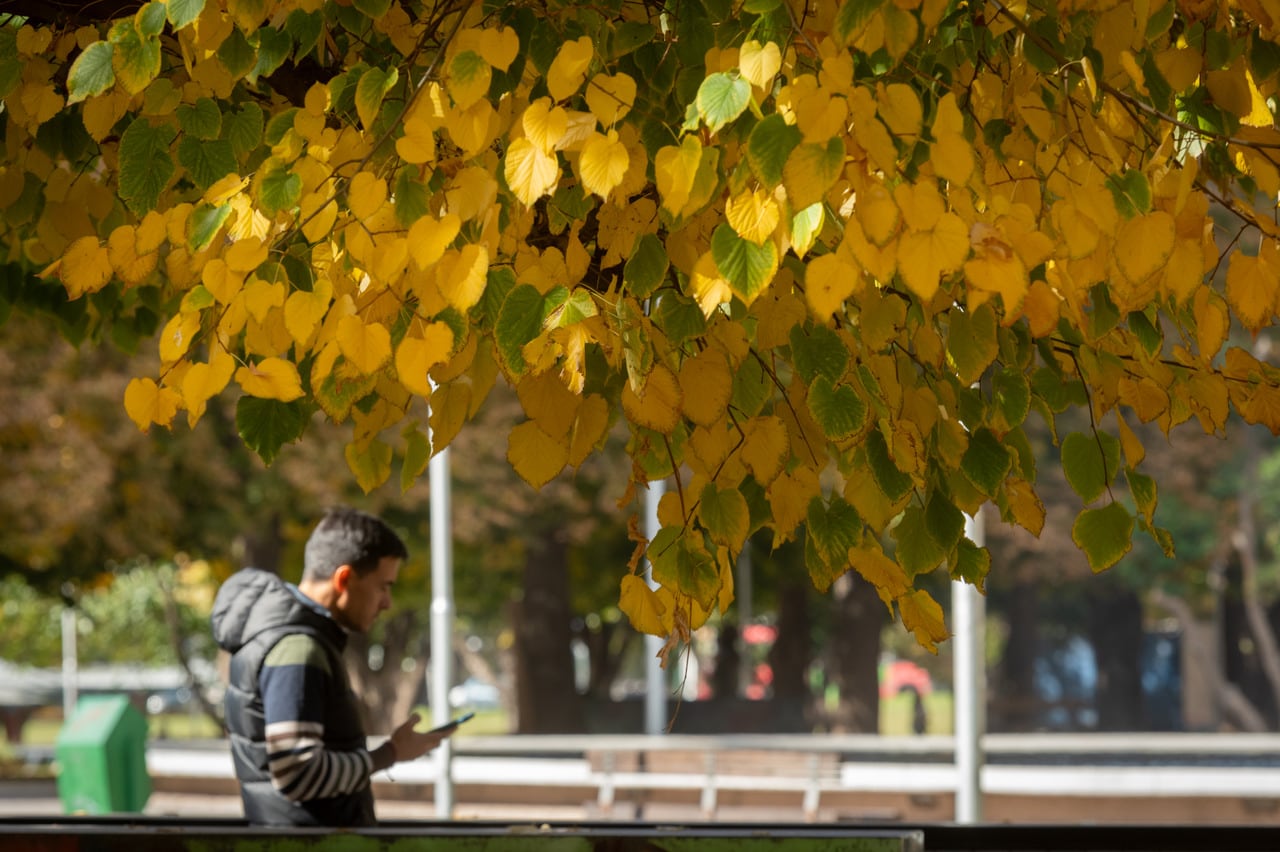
(245, 255)
(996, 267)
(1213, 322)
(1134, 452)
(706, 385)
(878, 213)
(473, 128)
(657, 406)
(205, 381)
(463, 283)
(415, 356)
(418, 144)
(450, 405)
(952, 158)
(754, 215)
(922, 615)
(1042, 308)
(828, 280)
(535, 455)
(85, 268)
(1252, 289)
(708, 448)
(880, 571)
(1144, 245)
(177, 335)
(367, 346)
(569, 68)
(1025, 505)
(317, 213)
(924, 257)
(499, 47)
(1260, 114)
(146, 403)
(468, 76)
(1146, 397)
(271, 378)
(429, 237)
(708, 287)
(544, 125)
(530, 172)
(303, 311)
(789, 496)
(899, 108)
(603, 163)
(371, 463)
(589, 429)
(811, 170)
(610, 97)
(644, 607)
(766, 448)
(674, 169)
(549, 403)
(367, 193)
(759, 63)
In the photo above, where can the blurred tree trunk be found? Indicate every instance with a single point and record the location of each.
(791, 654)
(1115, 631)
(387, 694)
(858, 620)
(1015, 704)
(547, 701)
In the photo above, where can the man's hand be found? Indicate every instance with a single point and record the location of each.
(409, 744)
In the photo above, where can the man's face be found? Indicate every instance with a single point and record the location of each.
(361, 599)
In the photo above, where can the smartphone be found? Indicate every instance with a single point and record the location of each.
(451, 724)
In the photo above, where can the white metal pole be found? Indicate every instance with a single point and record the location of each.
(655, 701)
(442, 616)
(969, 612)
(70, 667)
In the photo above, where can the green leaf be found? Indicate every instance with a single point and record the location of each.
(972, 564)
(202, 120)
(206, 162)
(1090, 462)
(135, 59)
(417, 453)
(722, 97)
(280, 189)
(91, 73)
(1105, 535)
(150, 19)
(266, 425)
(236, 54)
(341, 390)
(629, 36)
(837, 409)
(1145, 495)
(853, 16)
(410, 196)
(519, 321)
(805, 227)
(944, 521)
(752, 388)
(647, 267)
(372, 8)
(1059, 395)
(183, 13)
(274, 47)
(831, 530)
(894, 483)
(986, 462)
(746, 266)
(145, 164)
(677, 564)
(305, 28)
(724, 513)
(770, 144)
(818, 351)
(203, 225)
(1012, 395)
(372, 88)
(918, 552)
(1131, 193)
(760, 7)
(971, 343)
(243, 129)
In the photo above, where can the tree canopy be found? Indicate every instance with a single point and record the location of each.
(824, 259)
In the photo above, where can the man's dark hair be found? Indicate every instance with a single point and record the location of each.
(347, 536)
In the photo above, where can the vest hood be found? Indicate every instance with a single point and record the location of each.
(252, 601)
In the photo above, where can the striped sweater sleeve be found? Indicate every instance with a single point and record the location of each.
(294, 682)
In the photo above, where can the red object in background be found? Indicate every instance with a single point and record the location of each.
(899, 674)
(759, 634)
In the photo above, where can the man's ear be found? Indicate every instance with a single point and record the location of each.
(342, 578)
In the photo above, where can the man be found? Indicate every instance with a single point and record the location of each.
(296, 737)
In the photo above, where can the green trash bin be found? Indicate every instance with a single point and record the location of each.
(101, 753)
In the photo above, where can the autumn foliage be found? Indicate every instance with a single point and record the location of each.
(824, 259)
